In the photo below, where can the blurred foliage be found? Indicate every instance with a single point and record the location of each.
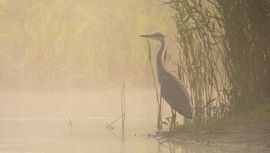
(59, 44)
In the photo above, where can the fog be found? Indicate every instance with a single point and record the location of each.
(77, 104)
(58, 45)
(67, 59)
(63, 64)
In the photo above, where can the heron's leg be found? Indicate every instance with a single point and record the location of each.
(172, 124)
(174, 118)
(159, 115)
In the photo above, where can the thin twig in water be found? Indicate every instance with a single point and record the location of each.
(110, 125)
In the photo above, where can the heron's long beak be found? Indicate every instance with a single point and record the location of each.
(147, 36)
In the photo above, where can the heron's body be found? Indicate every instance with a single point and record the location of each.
(171, 89)
(175, 95)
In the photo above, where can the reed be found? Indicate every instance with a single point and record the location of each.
(123, 108)
(158, 97)
(123, 113)
(223, 54)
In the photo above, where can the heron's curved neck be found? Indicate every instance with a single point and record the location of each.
(160, 66)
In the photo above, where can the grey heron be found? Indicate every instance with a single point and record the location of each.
(171, 89)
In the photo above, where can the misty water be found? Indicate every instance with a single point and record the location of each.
(39, 123)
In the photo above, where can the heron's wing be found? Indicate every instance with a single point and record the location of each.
(175, 94)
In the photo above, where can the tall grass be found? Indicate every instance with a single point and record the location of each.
(247, 51)
(223, 54)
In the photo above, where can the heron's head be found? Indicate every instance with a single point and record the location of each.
(154, 36)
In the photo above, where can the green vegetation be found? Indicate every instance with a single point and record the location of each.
(224, 57)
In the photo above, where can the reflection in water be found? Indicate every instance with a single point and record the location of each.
(169, 146)
(165, 146)
(90, 135)
(69, 123)
(115, 134)
(123, 143)
(120, 136)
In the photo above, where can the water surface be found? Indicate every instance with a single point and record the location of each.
(89, 135)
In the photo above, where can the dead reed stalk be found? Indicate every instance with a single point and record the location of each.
(158, 97)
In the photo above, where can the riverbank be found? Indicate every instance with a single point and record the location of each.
(251, 129)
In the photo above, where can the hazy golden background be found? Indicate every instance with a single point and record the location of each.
(50, 45)
(77, 44)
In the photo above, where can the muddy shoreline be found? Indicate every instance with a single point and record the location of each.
(255, 134)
